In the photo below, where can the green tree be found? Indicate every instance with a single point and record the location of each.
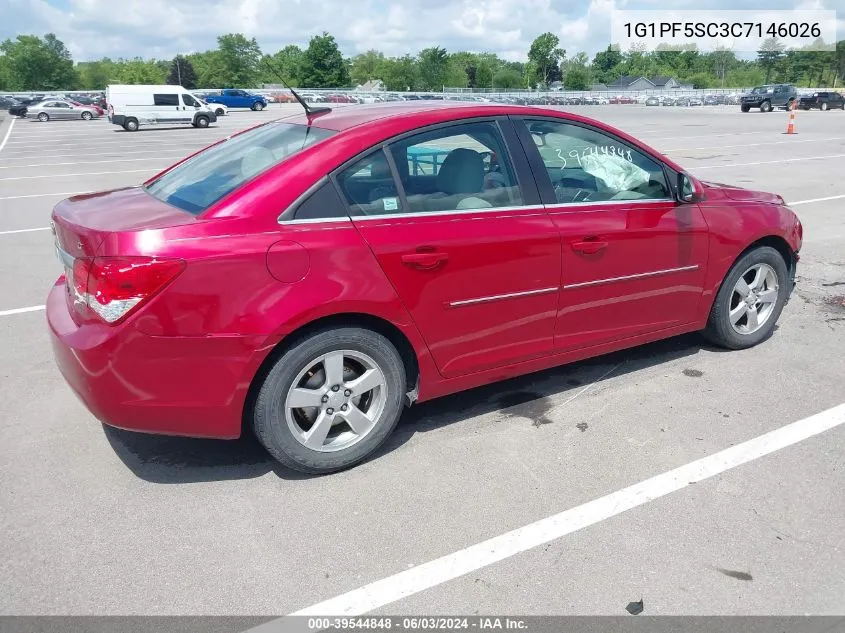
(546, 57)
(507, 79)
(285, 63)
(182, 73)
(96, 75)
(577, 79)
(240, 60)
(366, 66)
(606, 65)
(209, 69)
(139, 71)
(433, 67)
(769, 56)
(400, 73)
(33, 63)
(322, 65)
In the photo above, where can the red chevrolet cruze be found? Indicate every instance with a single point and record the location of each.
(312, 276)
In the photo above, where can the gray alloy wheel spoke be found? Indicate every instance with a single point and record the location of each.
(738, 312)
(358, 420)
(368, 381)
(768, 296)
(753, 319)
(334, 369)
(742, 288)
(300, 398)
(315, 438)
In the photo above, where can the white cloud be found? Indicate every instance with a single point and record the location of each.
(162, 28)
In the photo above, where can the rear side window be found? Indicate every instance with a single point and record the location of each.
(166, 100)
(322, 204)
(204, 179)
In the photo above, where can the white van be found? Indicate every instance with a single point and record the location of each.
(132, 106)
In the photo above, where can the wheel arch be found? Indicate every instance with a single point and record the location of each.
(377, 324)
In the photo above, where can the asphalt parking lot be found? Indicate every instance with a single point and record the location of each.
(100, 521)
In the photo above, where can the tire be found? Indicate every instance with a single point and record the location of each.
(219, 112)
(202, 122)
(43, 117)
(283, 429)
(721, 329)
(87, 116)
(823, 106)
(766, 106)
(258, 106)
(130, 125)
(744, 108)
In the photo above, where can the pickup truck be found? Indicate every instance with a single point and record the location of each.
(238, 99)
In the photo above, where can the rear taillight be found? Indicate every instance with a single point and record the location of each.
(112, 287)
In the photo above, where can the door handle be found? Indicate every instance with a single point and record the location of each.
(589, 247)
(424, 261)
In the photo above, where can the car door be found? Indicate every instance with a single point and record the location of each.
(65, 111)
(239, 99)
(634, 259)
(470, 251)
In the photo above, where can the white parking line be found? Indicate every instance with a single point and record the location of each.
(182, 150)
(805, 140)
(82, 162)
(839, 197)
(44, 195)
(768, 162)
(21, 310)
(40, 228)
(412, 581)
(8, 132)
(90, 173)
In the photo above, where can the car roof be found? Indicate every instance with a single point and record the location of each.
(347, 117)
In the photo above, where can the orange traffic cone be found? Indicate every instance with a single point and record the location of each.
(790, 128)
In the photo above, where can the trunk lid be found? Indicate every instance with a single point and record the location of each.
(82, 222)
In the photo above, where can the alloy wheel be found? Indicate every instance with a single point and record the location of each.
(753, 299)
(336, 400)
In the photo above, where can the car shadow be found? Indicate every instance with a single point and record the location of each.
(176, 460)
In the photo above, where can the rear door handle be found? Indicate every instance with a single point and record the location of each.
(590, 247)
(424, 261)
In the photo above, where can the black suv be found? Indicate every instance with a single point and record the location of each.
(769, 97)
(822, 101)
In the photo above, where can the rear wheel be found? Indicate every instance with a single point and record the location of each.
(87, 116)
(330, 400)
(43, 117)
(130, 125)
(766, 106)
(750, 300)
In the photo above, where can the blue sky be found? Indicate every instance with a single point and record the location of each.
(162, 28)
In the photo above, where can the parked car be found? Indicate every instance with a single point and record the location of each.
(57, 109)
(297, 278)
(822, 100)
(100, 112)
(218, 108)
(652, 101)
(695, 101)
(232, 98)
(131, 106)
(13, 106)
(769, 97)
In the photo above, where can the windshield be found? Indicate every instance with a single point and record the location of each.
(204, 179)
(761, 90)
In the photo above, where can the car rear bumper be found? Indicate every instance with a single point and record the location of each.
(190, 386)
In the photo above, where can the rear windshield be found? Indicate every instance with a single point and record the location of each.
(204, 179)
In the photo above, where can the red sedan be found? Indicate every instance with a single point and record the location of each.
(312, 276)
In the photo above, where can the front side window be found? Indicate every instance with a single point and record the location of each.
(189, 101)
(204, 179)
(585, 165)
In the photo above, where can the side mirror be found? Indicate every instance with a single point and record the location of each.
(686, 189)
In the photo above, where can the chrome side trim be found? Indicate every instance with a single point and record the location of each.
(653, 273)
(563, 206)
(510, 295)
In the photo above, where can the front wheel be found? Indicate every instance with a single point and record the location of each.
(43, 117)
(258, 106)
(219, 112)
(130, 125)
(823, 106)
(330, 400)
(202, 121)
(750, 300)
(744, 108)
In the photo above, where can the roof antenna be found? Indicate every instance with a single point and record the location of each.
(309, 111)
